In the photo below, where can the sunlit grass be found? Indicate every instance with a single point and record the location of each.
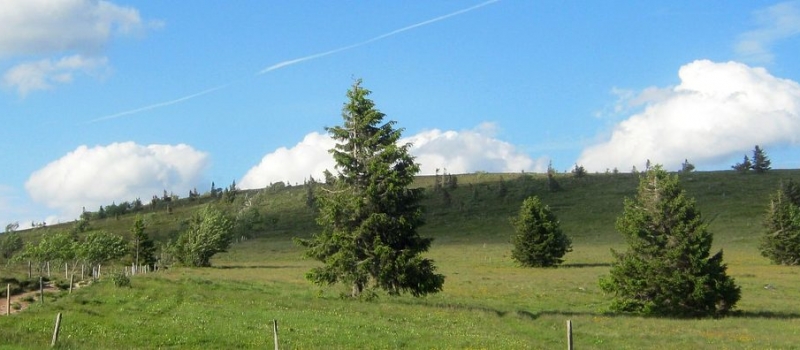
(487, 302)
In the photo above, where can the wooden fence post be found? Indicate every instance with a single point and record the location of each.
(8, 299)
(30, 270)
(71, 282)
(569, 334)
(66, 270)
(41, 289)
(55, 331)
(275, 332)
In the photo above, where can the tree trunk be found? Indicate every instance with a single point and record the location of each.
(357, 288)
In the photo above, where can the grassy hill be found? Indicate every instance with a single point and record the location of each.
(487, 301)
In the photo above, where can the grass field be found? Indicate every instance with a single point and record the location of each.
(487, 302)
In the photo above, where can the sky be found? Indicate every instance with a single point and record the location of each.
(107, 101)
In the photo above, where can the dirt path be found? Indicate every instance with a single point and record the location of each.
(24, 304)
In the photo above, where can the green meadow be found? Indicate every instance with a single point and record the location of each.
(487, 303)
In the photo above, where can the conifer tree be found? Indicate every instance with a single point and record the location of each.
(144, 249)
(538, 240)
(370, 216)
(667, 269)
(744, 166)
(761, 162)
(781, 240)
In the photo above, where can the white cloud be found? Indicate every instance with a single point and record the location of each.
(292, 165)
(42, 27)
(43, 74)
(775, 23)
(458, 152)
(717, 111)
(90, 177)
(58, 38)
(468, 151)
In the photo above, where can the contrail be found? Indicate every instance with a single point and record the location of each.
(158, 105)
(287, 63)
(379, 37)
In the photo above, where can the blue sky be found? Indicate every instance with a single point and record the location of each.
(107, 101)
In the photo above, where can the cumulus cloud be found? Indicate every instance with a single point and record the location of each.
(775, 23)
(43, 74)
(34, 27)
(469, 151)
(310, 157)
(90, 177)
(717, 111)
(457, 151)
(50, 30)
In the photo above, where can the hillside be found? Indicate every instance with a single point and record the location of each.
(487, 302)
(587, 206)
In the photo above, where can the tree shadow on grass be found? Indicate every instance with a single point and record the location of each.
(780, 315)
(582, 265)
(232, 267)
(532, 316)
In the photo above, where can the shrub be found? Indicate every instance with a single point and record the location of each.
(121, 280)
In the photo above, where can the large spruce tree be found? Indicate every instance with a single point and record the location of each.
(369, 217)
(667, 269)
(781, 240)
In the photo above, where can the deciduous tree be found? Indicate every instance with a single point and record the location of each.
(99, 247)
(209, 232)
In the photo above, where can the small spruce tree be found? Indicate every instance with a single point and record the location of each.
(761, 162)
(143, 250)
(579, 171)
(781, 240)
(538, 240)
(667, 269)
(744, 166)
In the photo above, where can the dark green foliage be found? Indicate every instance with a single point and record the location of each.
(667, 269)
(579, 171)
(10, 244)
(552, 183)
(761, 162)
(687, 167)
(209, 232)
(744, 166)
(311, 197)
(369, 216)
(121, 280)
(538, 240)
(781, 240)
(143, 250)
